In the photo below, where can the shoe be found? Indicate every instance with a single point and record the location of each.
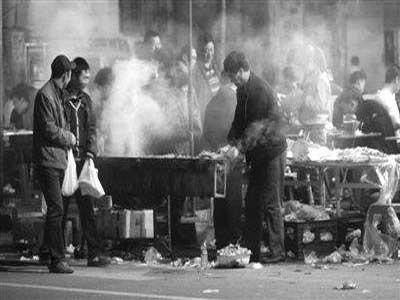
(61, 268)
(272, 260)
(99, 261)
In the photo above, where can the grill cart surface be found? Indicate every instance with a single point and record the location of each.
(161, 176)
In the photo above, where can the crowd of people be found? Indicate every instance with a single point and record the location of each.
(233, 105)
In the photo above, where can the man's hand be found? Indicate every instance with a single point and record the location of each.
(73, 139)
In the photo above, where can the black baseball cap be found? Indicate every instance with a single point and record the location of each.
(60, 65)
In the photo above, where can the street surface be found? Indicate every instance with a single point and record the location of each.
(138, 281)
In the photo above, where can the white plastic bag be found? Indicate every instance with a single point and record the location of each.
(89, 182)
(70, 183)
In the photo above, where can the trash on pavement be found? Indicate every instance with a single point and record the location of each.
(290, 254)
(333, 258)
(152, 256)
(70, 249)
(23, 258)
(311, 258)
(256, 266)
(209, 291)
(347, 285)
(117, 260)
(233, 256)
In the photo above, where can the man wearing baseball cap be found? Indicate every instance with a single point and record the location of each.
(51, 140)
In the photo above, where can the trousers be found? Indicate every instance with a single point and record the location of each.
(263, 204)
(86, 216)
(50, 180)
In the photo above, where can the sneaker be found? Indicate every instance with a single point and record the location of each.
(272, 260)
(61, 267)
(99, 261)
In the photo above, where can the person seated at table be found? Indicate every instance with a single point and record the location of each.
(380, 114)
(315, 108)
(22, 96)
(289, 95)
(347, 102)
(386, 96)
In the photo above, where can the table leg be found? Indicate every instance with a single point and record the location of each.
(321, 181)
(337, 190)
(169, 223)
(309, 189)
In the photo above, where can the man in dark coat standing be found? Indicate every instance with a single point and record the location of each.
(51, 140)
(257, 131)
(82, 121)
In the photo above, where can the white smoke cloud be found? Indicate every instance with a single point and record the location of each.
(132, 117)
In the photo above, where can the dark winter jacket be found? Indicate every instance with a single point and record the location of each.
(51, 137)
(257, 126)
(81, 120)
(346, 102)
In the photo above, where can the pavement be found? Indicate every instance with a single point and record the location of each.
(139, 281)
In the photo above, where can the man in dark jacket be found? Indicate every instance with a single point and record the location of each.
(82, 121)
(51, 140)
(257, 131)
(348, 101)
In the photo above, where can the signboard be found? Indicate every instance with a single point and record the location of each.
(36, 71)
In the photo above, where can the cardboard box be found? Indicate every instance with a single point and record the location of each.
(130, 223)
(148, 224)
(125, 224)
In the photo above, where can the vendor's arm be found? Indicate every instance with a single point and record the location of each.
(238, 125)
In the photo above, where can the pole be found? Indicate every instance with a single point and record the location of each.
(223, 32)
(190, 90)
(1, 109)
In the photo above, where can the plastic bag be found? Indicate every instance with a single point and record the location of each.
(326, 236)
(308, 236)
(393, 225)
(386, 177)
(89, 182)
(311, 258)
(375, 243)
(70, 183)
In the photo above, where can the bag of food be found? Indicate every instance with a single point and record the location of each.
(89, 182)
(70, 183)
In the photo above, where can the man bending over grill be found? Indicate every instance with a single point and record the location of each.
(257, 131)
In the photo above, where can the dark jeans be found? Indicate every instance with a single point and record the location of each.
(263, 202)
(86, 216)
(50, 180)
